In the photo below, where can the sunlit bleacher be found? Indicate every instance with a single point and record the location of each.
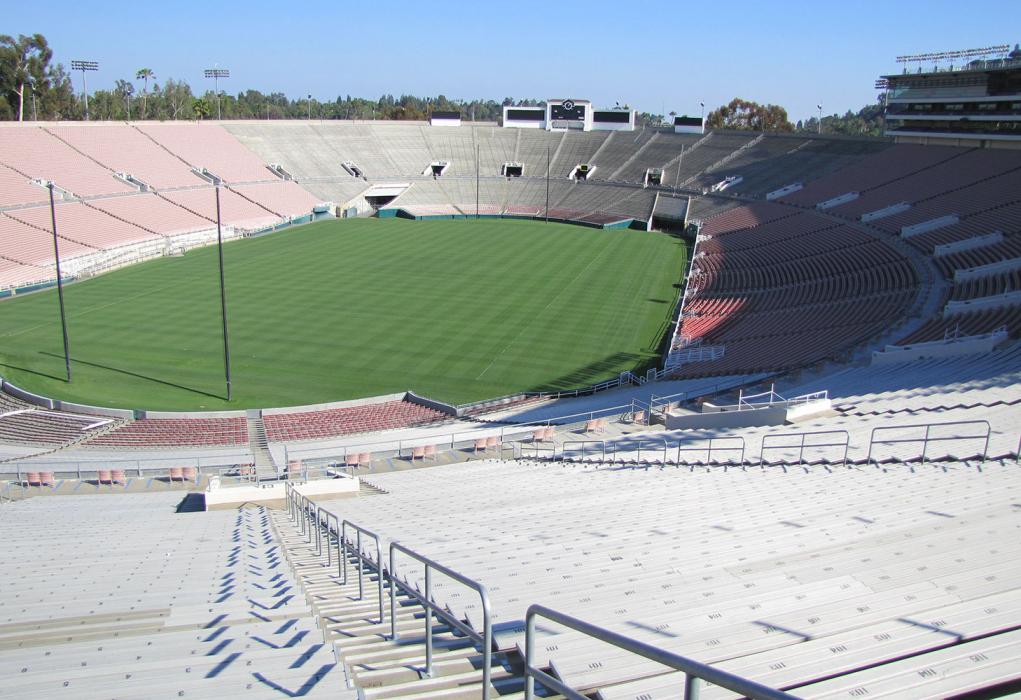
(121, 595)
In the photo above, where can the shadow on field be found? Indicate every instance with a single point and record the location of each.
(140, 376)
(37, 373)
(603, 369)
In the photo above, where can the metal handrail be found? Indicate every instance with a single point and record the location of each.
(329, 536)
(359, 530)
(694, 671)
(661, 448)
(926, 439)
(801, 445)
(485, 639)
(709, 448)
(602, 447)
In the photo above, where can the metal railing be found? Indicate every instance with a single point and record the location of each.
(566, 447)
(710, 448)
(800, 444)
(362, 560)
(927, 438)
(430, 607)
(694, 671)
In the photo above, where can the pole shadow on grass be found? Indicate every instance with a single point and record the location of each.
(139, 376)
(38, 373)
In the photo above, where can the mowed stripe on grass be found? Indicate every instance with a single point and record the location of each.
(455, 310)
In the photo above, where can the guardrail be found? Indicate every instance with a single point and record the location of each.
(694, 671)
(801, 444)
(927, 437)
(430, 607)
(359, 531)
(709, 448)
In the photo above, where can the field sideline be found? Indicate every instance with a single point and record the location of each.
(454, 310)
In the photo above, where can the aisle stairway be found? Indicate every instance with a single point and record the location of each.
(373, 662)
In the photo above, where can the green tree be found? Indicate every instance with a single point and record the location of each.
(746, 115)
(145, 74)
(124, 90)
(23, 62)
(200, 108)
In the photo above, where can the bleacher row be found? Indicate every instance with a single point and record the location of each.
(24, 424)
(120, 596)
(764, 246)
(815, 582)
(313, 425)
(388, 150)
(98, 211)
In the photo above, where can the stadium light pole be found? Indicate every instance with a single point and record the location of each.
(310, 106)
(216, 73)
(217, 182)
(819, 107)
(546, 215)
(85, 67)
(48, 184)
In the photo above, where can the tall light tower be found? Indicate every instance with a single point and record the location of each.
(310, 106)
(819, 107)
(216, 74)
(85, 67)
(217, 184)
(48, 184)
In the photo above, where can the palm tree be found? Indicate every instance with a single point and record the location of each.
(26, 59)
(200, 108)
(144, 74)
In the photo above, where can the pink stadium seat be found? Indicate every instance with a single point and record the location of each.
(430, 451)
(638, 417)
(417, 453)
(189, 473)
(117, 476)
(591, 426)
(176, 474)
(480, 444)
(539, 435)
(551, 432)
(364, 459)
(351, 460)
(492, 441)
(33, 479)
(105, 476)
(47, 479)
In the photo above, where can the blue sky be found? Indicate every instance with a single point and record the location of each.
(655, 56)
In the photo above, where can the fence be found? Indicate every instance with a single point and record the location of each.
(431, 607)
(630, 450)
(694, 671)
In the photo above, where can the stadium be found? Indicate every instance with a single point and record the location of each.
(557, 405)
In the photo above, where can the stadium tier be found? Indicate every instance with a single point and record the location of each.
(318, 424)
(856, 539)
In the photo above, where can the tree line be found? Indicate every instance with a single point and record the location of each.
(32, 87)
(745, 115)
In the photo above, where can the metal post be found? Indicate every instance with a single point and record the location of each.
(223, 294)
(547, 183)
(361, 568)
(478, 156)
(691, 687)
(60, 284)
(85, 91)
(393, 594)
(428, 625)
(529, 655)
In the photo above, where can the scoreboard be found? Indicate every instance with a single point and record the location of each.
(567, 111)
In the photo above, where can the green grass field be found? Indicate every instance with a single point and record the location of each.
(455, 310)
